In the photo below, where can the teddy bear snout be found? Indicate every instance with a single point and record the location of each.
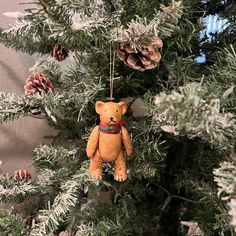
(113, 120)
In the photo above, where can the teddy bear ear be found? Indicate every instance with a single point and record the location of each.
(98, 106)
(123, 106)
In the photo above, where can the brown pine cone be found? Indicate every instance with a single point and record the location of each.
(142, 59)
(68, 232)
(22, 174)
(38, 83)
(59, 52)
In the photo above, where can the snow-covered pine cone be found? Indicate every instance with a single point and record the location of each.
(38, 83)
(22, 174)
(144, 58)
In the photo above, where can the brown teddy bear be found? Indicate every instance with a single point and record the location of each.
(105, 141)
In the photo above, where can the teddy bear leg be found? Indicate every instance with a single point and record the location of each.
(120, 173)
(95, 167)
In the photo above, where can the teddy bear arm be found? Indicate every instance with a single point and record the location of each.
(92, 142)
(127, 141)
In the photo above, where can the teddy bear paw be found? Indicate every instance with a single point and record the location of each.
(129, 152)
(120, 176)
(97, 174)
(89, 153)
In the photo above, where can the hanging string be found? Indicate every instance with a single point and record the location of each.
(112, 72)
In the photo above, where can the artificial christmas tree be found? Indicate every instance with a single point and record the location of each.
(184, 142)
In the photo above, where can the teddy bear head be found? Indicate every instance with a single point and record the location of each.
(111, 112)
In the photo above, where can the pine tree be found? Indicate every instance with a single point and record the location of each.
(183, 171)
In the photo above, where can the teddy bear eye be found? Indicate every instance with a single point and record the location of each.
(116, 110)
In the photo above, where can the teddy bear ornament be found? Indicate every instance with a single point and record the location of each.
(106, 140)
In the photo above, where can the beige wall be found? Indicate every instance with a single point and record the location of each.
(18, 138)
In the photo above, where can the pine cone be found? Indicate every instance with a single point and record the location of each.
(68, 232)
(59, 52)
(22, 174)
(38, 83)
(142, 59)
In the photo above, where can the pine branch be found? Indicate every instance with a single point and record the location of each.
(85, 229)
(196, 113)
(11, 224)
(77, 70)
(206, 205)
(25, 35)
(66, 18)
(49, 156)
(149, 153)
(10, 107)
(16, 190)
(61, 22)
(54, 163)
(139, 32)
(78, 97)
(64, 203)
(51, 218)
(104, 227)
(94, 17)
(224, 70)
(70, 102)
(50, 68)
(225, 177)
(146, 170)
(19, 27)
(97, 218)
(46, 179)
(167, 18)
(223, 74)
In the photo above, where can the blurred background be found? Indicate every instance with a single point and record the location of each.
(19, 138)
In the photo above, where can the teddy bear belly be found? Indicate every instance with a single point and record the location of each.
(109, 146)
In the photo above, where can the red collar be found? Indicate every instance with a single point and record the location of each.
(112, 129)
